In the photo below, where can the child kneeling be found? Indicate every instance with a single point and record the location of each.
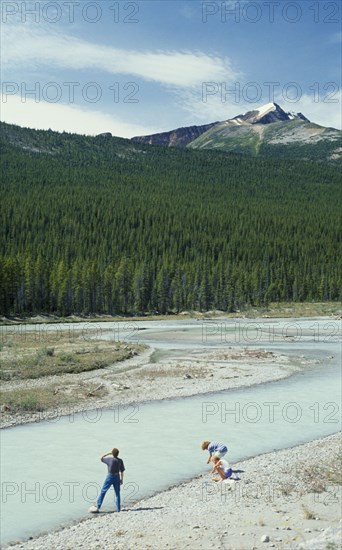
(222, 467)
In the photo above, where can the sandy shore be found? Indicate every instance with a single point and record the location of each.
(140, 380)
(289, 499)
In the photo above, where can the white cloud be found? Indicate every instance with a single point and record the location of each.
(35, 47)
(204, 108)
(68, 118)
(28, 48)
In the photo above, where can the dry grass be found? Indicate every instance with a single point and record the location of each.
(28, 356)
(318, 478)
(281, 309)
(171, 371)
(303, 309)
(49, 398)
(315, 477)
(287, 488)
(307, 513)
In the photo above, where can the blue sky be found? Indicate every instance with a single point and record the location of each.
(137, 67)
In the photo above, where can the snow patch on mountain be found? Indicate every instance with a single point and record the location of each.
(269, 113)
(266, 108)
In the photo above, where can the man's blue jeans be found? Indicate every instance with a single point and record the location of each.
(111, 479)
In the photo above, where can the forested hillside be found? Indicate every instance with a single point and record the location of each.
(106, 225)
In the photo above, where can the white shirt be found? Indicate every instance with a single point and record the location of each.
(224, 464)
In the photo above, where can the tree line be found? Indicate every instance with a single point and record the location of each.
(105, 225)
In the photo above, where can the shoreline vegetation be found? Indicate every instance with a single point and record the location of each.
(48, 373)
(281, 310)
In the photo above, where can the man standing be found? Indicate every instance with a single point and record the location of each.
(114, 478)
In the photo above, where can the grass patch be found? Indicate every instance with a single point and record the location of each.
(50, 398)
(26, 357)
(172, 370)
(274, 309)
(295, 309)
(333, 472)
(287, 489)
(320, 477)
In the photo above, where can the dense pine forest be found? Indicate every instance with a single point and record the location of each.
(105, 225)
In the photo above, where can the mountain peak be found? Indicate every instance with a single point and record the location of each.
(268, 108)
(268, 113)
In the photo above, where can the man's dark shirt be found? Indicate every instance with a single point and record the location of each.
(115, 465)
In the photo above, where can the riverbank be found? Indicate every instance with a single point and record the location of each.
(279, 309)
(140, 379)
(289, 499)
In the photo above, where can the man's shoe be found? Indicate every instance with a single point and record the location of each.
(94, 509)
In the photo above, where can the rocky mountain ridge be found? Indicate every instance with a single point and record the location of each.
(267, 130)
(180, 137)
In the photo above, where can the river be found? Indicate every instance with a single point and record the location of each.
(51, 472)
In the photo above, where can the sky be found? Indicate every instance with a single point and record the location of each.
(145, 66)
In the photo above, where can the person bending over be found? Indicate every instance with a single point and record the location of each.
(215, 449)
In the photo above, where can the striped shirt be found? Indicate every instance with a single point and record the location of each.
(216, 446)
